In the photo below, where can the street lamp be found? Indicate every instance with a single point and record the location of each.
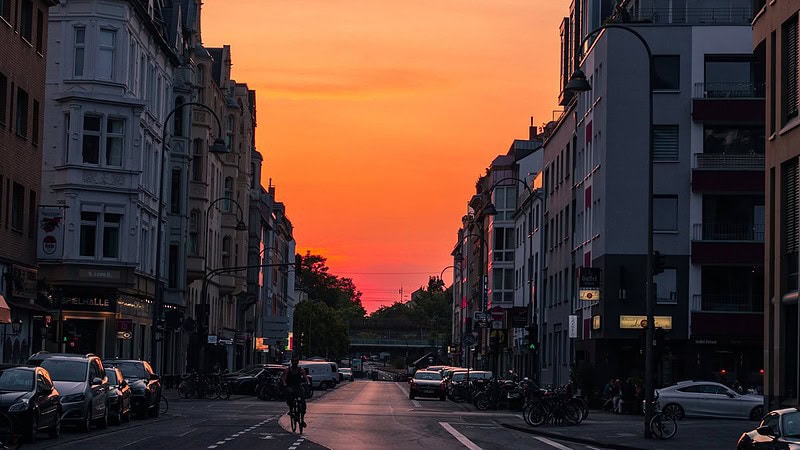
(218, 147)
(578, 83)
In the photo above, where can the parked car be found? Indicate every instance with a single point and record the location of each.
(244, 381)
(335, 369)
(780, 429)
(346, 373)
(427, 383)
(321, 374)
(81, 380)
(462, 375)
(145, 385)
(119, 396)
(709, 399)
(29, 398)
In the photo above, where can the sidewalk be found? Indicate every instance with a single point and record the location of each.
(626, 432)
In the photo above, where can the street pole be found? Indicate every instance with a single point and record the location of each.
(650, 363)
(217, 147)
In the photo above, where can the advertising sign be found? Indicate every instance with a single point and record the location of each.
(596, 322)
(573, 326)
(51, 233)
(639, 322)
(589, 279)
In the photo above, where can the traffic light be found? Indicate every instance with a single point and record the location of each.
(658, 262)
(532, 337)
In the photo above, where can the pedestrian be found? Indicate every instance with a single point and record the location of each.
(616, 396)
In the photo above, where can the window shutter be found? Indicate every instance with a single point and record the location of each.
(791, 227)
(790, 68)
(665, 143)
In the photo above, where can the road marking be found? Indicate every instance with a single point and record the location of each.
(461, 438)
(552, 443)
(190, 431)
(416, 403)
(405, 392)
(134, 442)
(220, 442)
(212, 446)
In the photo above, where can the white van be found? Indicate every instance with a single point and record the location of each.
(321, 373)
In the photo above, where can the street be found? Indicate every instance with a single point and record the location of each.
(378, 414)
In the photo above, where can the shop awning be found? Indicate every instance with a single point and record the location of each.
(5, 311)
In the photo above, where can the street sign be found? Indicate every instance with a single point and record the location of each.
(573, 326)
(497, 324)
(212, 339)
(124, 335)
(498, 313)
(479, 316)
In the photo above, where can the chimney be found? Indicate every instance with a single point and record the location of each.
(532, 131)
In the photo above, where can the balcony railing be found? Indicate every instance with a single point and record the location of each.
(729, 89)
(727, 303)
(693, 16)
(729, 161)
(728, 232)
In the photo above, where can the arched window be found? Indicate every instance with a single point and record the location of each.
(228, 194)
(178, 121)
(197, 160)
(226, 251)
(229, 127)
(200, 81)
(194, 232)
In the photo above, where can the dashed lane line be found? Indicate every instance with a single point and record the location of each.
(552, 443)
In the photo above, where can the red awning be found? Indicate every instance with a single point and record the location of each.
(5, 312)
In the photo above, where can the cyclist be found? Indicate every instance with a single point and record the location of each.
(293, 378)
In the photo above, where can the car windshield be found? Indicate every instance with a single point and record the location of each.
(66, 370)
(791, 424)
(427, 376)
(16, 380)
(112, 376)
(132, 370)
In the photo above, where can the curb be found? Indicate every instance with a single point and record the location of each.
(574, 439)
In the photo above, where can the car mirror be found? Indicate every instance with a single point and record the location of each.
(766, 430)
(97, 381)
(731, 394)
(154, 377)
(123, 383)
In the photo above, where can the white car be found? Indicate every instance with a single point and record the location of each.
(708, 399)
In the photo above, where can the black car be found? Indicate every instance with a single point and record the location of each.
(780, 429)
(119, 396)
(29, 398)
(145, 385)
(246, 380)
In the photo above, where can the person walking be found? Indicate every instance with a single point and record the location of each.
(628, 397)
(616, 396)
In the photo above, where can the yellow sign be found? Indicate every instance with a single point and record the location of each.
(589, 294)
(639, 322)
(261, 345)
(596, 322)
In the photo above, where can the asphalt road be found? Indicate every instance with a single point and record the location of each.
(374, 415)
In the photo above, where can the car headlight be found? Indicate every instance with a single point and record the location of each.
(21, 405)
(73, 398)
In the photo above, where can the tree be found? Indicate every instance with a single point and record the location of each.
(340, 293)
(319, 330)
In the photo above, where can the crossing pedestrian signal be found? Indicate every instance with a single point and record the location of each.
(658, 263)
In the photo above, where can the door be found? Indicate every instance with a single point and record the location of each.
(46, 401)
(719, 403)
(98, 401)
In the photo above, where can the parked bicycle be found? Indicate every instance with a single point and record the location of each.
(663, 424)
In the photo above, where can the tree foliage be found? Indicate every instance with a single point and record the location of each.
(430, 310)
(339, 293)
(320, 330)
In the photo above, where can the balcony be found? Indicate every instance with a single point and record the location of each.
(742, 15)
(737, 232)
(727, 303)
(728, 172)
(729, 102)
(715, 161)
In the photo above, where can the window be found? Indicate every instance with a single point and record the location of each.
(194, 234)
(32, 213)
(132, 66)
(665, 143)
(17, 207)
(503, 249)
(80, 48)
(789, 65)
(5, 10)
(791, 222)
(35, 128)
(92, 137)
(772, 82)
(665, 213)
(26, 20)
(201, 81)
(105, 54)
(666, 72)
(229, 127)
(666, 286)
(172, 276)
(175, 192)
(22, 112)
(197, 160)
(502, 285)
(178, 121)
(66, 138)
(730, 76)
(226, 204)
(226, 251)
(3, 96)
(505, 201)
(39, 31)
(110, 224)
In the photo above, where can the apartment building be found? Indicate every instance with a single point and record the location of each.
(775, 40)
(23, 38)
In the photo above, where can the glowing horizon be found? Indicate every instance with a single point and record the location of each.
(375, 120)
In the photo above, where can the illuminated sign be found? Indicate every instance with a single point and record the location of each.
(639, 322)
(596, 322)
(589, 283)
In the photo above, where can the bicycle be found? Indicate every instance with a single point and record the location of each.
(662, 424)
(163, 405)
(7, 437)
(297, 413)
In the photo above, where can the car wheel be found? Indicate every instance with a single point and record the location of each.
(55, 430)
(675, 410)
(33, 429)
(757, 413)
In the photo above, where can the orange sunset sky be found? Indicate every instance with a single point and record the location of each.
(375, 118)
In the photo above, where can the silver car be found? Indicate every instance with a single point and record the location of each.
(708, 399)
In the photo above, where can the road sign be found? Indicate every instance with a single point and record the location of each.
(573, 326)
(124, 335)
(469, 340)
(498, 313)
(212, 339)
(479, 316)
